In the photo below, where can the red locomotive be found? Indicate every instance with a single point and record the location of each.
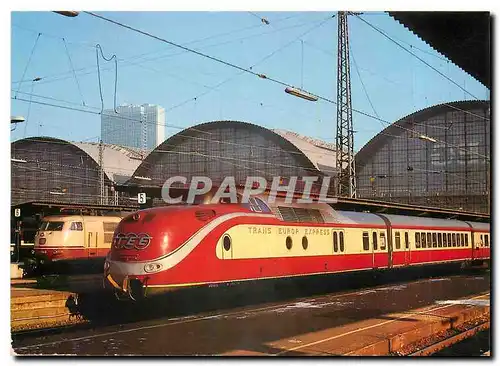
(170, 247)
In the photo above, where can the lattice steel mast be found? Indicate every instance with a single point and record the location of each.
(101, 173)
(346, 186)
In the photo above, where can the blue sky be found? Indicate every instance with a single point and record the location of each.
(150, 71)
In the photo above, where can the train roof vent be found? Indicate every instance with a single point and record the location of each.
(296, 214)
(204, 215)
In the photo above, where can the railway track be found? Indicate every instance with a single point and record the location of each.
(290, 318)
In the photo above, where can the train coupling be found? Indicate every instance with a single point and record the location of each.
(129, 289)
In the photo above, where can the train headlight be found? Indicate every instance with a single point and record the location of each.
(152, 267)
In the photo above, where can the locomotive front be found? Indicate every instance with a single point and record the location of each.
(149, 246)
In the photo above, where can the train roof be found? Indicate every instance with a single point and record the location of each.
(77, 217)
(351, 217)
(399, 220)
(479, 225)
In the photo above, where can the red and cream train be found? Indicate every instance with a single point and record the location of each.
(165, 248)
(74, 237)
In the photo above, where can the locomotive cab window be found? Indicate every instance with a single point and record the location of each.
(51, 226)
(366, 241)
(76, 226)
(397, 239)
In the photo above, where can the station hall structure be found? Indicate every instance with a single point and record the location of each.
(437, 157)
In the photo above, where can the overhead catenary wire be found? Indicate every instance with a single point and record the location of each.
(91, 68)
(28, 62)
(416, 56)
(331, 54)
(74, 73)
(262, 76)
(362, 83)
(97, 49)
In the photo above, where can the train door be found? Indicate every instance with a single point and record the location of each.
(374, 247)
(406, 245)
(476, 245)
(92, 230)
(381, 257)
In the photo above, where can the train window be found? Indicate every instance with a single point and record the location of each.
(434, 240)
(253, 205)
(466, 240)
(397, 239)
(263, 207)
(76, 226)
(289, 242)
(51, 225)
(423, 240)
(341, 241)
(417, 240)
(407, 241)
(382, 241)
(449, 240)
(304, 242)
(454, 239)
(462, 240)
(440, 240)
(335, 242)
(486, 241)
(375, 245)
(481, 242)
(445, 242)
(366, 241)
(111, 226)
(226, 242)
(429, 240)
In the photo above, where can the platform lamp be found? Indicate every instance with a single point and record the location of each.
(14, 120)
(67, 13)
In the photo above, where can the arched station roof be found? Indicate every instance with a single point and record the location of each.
(408, 122)
(47, 168)
(224, 148)
(436, 157)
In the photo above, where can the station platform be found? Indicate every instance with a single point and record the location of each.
(49, 301)
(417, 332)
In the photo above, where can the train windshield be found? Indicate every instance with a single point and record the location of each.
(51, 226)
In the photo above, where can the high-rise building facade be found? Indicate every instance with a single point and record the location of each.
(126, 127)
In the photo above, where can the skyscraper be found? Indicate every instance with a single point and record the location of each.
(126, 126)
